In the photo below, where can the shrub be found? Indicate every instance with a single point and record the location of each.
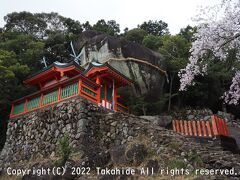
(64, 149)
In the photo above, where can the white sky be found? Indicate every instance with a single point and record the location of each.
(128, 13)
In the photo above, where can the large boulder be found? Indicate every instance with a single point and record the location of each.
(100, 47)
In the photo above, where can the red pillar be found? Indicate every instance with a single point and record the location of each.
(219, 125)
(181, 127)
(115, 98)
(194, 128)
(177, 126)
(199, 128)
(204, 128)
(222, 126)
(190, 128)
(185, 127)
(226, 128)
(79, 86)
(209, 129)
(105, 95)
(12, 107)
(25, 106)
(98, 81)
(59, 93)
(214, 126)
(174, 125)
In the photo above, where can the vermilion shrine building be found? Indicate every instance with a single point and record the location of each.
(61, 81)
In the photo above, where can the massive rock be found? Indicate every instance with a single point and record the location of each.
(99, 47)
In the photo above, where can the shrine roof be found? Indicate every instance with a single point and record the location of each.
(53, 69)
(97, 67)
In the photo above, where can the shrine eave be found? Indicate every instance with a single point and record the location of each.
(54, 70)
(107, 70)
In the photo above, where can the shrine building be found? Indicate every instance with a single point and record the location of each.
(60, 81)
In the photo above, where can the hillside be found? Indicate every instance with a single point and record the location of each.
(100, 138)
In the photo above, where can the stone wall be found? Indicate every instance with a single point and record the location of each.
(105, 139)
(88, 126)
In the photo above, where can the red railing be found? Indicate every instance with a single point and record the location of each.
(77, 86)
(213, 127)
(121, 108)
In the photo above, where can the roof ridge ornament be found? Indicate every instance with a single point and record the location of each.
(43, 61)
(77, 58)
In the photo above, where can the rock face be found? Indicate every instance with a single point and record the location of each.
(162, 121)
(100, 47)
(106, 139)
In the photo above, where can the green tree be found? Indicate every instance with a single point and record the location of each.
(25, 22)
(27, 49)
(87, 26)
(188, 32)
(175, 49)
(73, 27)
(64, 150)
(156, 28)
(24, 40)
(136, 35)
(40, 25)
(55, 48)
(109, 27)
(152, 42)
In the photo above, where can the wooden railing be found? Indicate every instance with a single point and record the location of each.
(64, 90)
(121, 108)
(212, 127)
(60, 92)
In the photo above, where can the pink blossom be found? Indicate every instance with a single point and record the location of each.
(218, 31)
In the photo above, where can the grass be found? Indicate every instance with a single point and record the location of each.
(175, 145)
(176, 163)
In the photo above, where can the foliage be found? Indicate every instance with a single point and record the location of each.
(24, 40)
(136, 35)
(87, 26)
(25, 22)
(195, 159)
(156, 28)
(152, 42)
(175, 50)
(175, 145)
(55, 48)
(218, 37)
(64, 149)
(40, 25)
(176, 163)
(188, 32)
(109, 27)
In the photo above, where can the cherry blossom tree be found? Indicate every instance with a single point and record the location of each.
(218, 32)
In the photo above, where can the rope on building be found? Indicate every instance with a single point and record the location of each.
(135, 60)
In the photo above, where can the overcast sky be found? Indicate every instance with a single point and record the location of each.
(128, 13)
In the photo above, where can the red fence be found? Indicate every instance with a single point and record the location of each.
(213, 127)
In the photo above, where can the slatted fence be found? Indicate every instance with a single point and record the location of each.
(213, 127)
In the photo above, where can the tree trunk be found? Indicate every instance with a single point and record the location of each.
(144, 110)
(170, 92)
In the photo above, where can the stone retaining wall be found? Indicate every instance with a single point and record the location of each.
(88, 126)
(106, 139)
